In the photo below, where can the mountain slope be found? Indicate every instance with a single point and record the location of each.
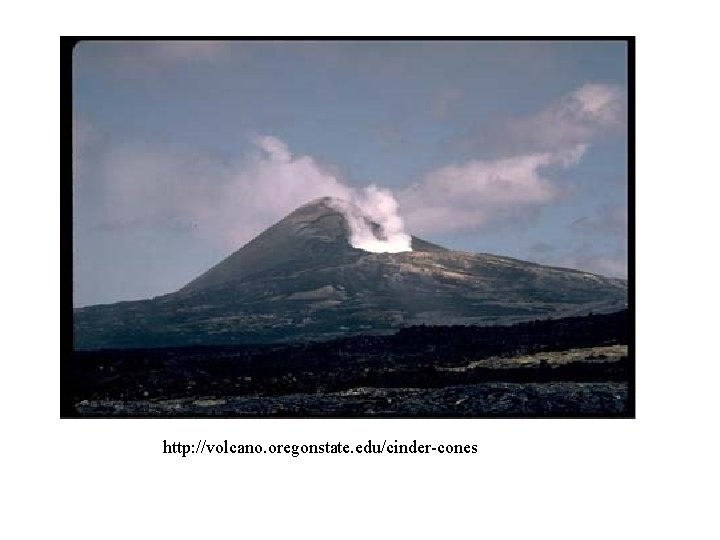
(301, 279)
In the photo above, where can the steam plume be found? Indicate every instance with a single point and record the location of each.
(374, 223)
(371, 212)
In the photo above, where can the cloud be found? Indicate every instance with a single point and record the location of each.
(474, 193)
(276, 149)
(228, 204)
(579, 117)
(483, 192)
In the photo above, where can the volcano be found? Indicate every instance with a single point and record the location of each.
(301, 280)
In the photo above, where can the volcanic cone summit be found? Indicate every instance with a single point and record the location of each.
(301, 279)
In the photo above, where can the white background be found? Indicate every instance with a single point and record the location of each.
(653, 477)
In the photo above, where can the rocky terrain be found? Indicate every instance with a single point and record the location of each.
(300, 323)
(301, 280)
(487, 399)
(577, 366)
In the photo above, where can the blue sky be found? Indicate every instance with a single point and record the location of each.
(183, 151)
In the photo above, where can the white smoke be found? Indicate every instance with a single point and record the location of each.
(371, 212)
(228, 204)
(375, 225)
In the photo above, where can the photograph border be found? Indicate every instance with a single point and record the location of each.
(67, 44)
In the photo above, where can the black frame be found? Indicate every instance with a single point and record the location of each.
(67, 44)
